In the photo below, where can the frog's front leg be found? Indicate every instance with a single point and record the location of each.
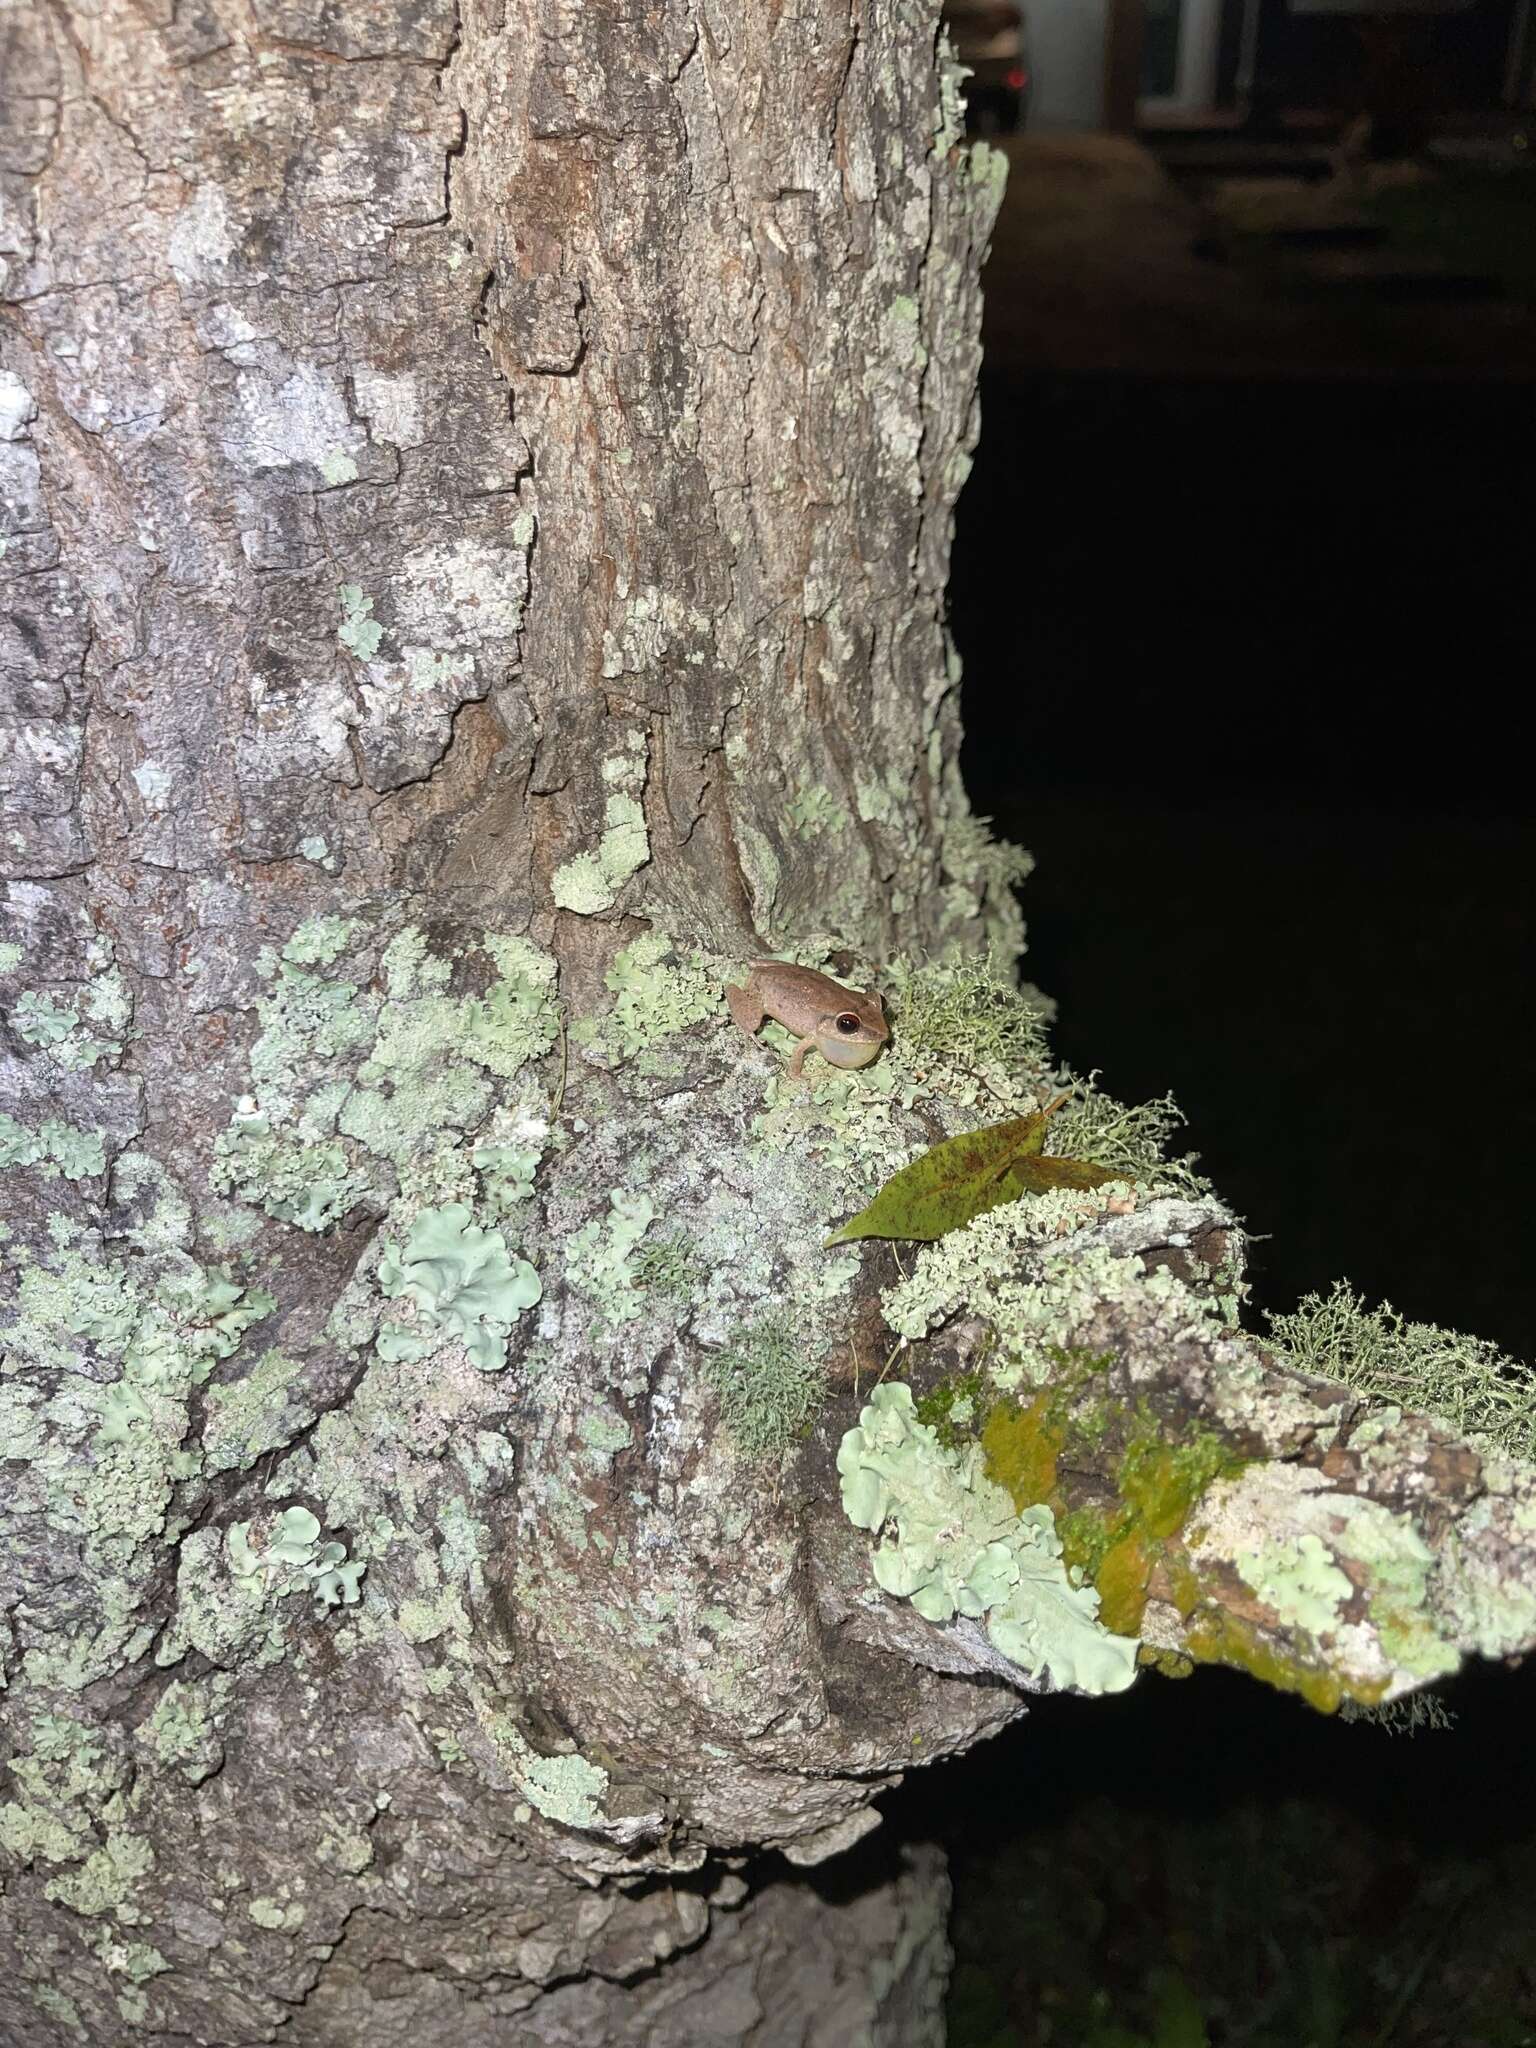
(807, 1044)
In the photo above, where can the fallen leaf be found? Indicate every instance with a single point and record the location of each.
(965, 1176)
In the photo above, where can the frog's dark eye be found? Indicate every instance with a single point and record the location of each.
(847, 1023)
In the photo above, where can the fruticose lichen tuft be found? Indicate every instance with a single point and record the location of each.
(1468, 1380)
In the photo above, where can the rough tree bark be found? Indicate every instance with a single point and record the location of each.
(477, 492)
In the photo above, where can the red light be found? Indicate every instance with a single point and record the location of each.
(1017, 78)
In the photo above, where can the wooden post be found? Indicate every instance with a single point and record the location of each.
(1124, 39)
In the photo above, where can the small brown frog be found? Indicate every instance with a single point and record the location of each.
(845, 1025)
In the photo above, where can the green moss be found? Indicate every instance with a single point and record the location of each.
(771, 1380)
(1020, 1447)
(1123, 1576)
(1087, 1534)
(952, 1408)
(1219, 1637)
(1117, 1545)
(670, 1266)
(1160, 1481)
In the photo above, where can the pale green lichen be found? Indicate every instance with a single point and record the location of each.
(89, 1025)
(1130, 1141)
(1468, 1380)
(814, 811)
(669, 1266)
(359, 632)
(590, 882)
(463, 1281)
(38, 1020)
(567, 1788)
(245, 1418)
(11, 956)
(1415, 1713)
(955, 1545)
(319, 941)
(293, 1558)
(970, 1009)
(1480, 1580)
(597, 1259)
(506, 1175)
(66, 1783)
(274, 1914)
(309, 1185)
(1397, 1570)
(429, 668)
(182, 1734)
(115, 1451)
(517, 1019)
(996, 1268)
(658, 991)
(139, 1961)
(356, 1096)
(59, 1148)
(60, 1030)
(949, 115)
(155, 1215)
(983, 874)
(1299, 1581)
(604, 1432)
(106, 1879)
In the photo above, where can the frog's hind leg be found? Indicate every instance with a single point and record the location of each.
(745, 1009)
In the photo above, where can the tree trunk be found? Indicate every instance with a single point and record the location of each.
(478, 494)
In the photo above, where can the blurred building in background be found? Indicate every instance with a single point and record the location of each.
(1096, 64)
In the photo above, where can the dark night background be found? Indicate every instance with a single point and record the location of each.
(1246, 653)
